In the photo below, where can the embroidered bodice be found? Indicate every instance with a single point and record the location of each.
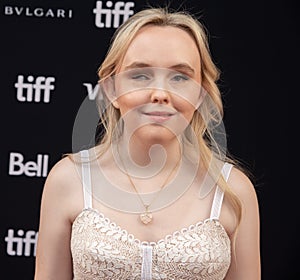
(103, 250)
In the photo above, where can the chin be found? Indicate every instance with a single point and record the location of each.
(155, 134)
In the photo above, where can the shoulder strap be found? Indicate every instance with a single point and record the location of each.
(86, 179)
(219, 193)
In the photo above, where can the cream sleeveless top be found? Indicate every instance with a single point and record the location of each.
(103, 250)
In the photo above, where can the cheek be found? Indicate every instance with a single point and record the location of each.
(185, 108)
(188, 116)
(130, 101)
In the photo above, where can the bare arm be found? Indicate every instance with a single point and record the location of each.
(53, 258)
(245, 264)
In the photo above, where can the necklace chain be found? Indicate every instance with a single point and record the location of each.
(146, 217)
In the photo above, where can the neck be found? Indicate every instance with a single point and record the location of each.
(141, 157)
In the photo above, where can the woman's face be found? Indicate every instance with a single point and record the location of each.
(157, 87)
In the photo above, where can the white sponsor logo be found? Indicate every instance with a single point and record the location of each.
(34, 89)
(23, 244)
(37, 12)
(112, 14)
(17, 166)
(93, 92)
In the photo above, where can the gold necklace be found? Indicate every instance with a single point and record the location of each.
(146, 217)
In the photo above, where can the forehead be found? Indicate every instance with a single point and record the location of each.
(162, 47)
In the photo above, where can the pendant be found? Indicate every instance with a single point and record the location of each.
(146, 217)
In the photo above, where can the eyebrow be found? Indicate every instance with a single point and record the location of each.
(181, 67)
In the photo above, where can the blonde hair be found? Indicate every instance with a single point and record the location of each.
(209, 76)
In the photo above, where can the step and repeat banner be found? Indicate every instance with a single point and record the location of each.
(50, 53)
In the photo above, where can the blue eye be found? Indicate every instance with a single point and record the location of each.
(179, 78)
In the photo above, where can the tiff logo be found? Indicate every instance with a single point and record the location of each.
(17, 166)
(23, 244)
(112, 15)
(32, 90)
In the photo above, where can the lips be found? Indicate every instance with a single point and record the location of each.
(159, 116)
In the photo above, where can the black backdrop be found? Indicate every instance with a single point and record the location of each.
(58, 43)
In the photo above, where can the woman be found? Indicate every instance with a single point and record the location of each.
(157, 197)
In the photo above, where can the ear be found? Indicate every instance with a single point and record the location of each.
(108, 87)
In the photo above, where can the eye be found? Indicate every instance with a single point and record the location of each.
(140, 77)
(180, 78)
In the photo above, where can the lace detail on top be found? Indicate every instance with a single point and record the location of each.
(103, 250)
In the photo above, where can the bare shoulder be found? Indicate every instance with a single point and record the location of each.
(63, 188)
(63, 173)
(64, 165)
(242, 186)
(247, 238)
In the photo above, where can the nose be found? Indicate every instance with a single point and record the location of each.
(160, 96)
